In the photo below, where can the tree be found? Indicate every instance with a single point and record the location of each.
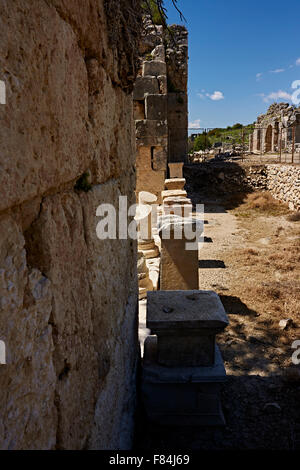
(202, 142)
(158, 12)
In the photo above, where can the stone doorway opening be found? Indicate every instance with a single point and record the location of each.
(268, 139)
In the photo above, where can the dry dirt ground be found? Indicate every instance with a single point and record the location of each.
(251, 258)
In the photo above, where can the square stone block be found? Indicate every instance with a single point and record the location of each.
(179, 266)
(186, 310)
(154, 68)
(182, 396)
(156, 107)
(150, 128)
(144, 85)
(176, 170)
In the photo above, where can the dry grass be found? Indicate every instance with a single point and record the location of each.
(266, 275)
(264, 202)
(260, 202)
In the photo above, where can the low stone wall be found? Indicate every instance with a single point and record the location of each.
(283, 181)
(284, 184)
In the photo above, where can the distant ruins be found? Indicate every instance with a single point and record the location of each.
(275, 128)
(160, 104)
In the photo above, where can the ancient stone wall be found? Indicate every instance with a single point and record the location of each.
(274, 129)
(176, 40)
(160, 104)
(283, 181)
(68, 301)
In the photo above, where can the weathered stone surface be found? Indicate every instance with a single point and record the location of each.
(38, 151)
(154, 68)
(175, 183)
(176, 170)
(185, 310)
(174, 193)
(163, 84)
(159, 53)
(68, 299)
(179, 267)
(186, 334)
(159, 158)
(147, 198)
(28, 412)
(181, 396)
(151, 131)
(144, 85)
(156, 107)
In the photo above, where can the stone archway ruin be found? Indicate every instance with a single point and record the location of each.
(268, 139)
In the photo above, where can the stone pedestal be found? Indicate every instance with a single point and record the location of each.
(176, 170)
(186, 324)
(182, 367)
(179, 265)
(181, 396)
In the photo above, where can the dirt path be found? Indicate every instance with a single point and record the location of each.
(221, 233)
(251, 259)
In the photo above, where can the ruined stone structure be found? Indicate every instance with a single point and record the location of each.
(183, 368)
(275, 128)
(283, 181)
(68, 301)
(160, 104)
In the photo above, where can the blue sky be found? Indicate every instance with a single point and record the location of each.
(242, 57)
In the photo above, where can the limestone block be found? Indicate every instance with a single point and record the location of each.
(147, 198)
(176, 200)
(186, 324)
(173, 193)
(177, 110)
(181, 396)
(175, 183)
(179, 265)
(144, 85)
(163, 84)
(176, 170)
(27, 408)
(154, 68)
(151, 130)
(159, 53)
(152, 181)
(192, 311)
(46, 146)
(159, 158)
(156, 107)
(182, 210)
